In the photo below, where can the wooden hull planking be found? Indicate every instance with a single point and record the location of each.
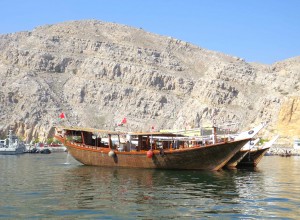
(233, 162)
(252, 158)
(211, 157)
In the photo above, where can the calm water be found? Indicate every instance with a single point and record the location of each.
(37, 186)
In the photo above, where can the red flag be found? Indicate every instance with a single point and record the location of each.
(62, 115)
(124, 121)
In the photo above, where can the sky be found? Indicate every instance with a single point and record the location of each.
(263, 31)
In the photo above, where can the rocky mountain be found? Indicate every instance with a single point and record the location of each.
(97, 73)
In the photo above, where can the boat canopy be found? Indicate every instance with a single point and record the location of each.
(93, 130)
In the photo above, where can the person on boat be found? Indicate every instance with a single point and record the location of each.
(165, 145)
(176, 144)
(120, 148)
(127, 146)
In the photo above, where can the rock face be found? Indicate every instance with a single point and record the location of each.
(98, 73)
(289, 117)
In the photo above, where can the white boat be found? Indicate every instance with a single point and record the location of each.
(296, 144)
(11, 145)
(56, 147)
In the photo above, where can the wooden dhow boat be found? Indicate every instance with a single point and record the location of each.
(254, 156)
(147, 150)
(232, 163)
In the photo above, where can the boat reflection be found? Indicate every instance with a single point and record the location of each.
(94, 187)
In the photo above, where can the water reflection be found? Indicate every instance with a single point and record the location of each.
(54, 189)
(153, 192)
(173, 194)
(262, 193)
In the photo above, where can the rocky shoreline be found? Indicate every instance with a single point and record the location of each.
(283, 151)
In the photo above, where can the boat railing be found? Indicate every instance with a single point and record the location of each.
(156, 140)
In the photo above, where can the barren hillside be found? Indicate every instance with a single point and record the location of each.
(98, 73)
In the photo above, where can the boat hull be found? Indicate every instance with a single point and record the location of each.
(252, 158)
(212, 157)
(11, 152)
(233, 162)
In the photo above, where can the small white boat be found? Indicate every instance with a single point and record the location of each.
(296, 144)
(11, 145)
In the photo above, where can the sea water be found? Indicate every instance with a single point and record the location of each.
(37, 186)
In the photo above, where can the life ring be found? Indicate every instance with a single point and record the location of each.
(111, 153)
(149, 153)
(250, 132)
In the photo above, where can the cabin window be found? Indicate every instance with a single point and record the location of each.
(77, 139)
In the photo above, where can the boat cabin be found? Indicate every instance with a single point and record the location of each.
(130, 141)
(2, 143)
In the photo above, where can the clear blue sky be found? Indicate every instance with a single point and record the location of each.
(262, 31)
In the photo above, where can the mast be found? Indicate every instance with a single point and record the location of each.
(214, 134)
(109, 141)
(10, 138)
